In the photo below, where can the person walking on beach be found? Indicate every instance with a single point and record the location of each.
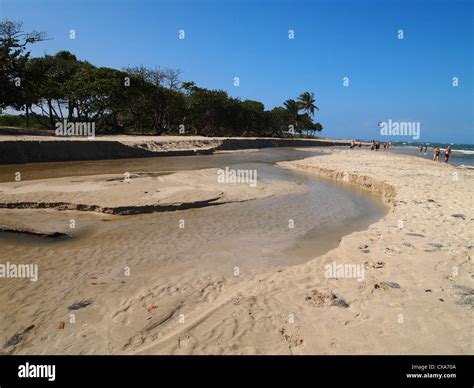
(373, 145)
(426, 149)
(447, 154)
(436, 153)
(421, 148)
(360, 144)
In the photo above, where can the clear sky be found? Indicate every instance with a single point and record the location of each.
(409, 79)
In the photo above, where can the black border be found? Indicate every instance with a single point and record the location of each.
(295, 371)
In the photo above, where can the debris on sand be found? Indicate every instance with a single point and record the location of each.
(415, 234)
(436, 245)
(374, 265)
(293, 339)
(80, 305)
(321, 299)
(339, 302)
(386, 285)
(18, 337)
(466, 295)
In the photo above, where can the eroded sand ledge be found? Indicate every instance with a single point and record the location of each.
(136, 193)
(32, 149)
(416, 246)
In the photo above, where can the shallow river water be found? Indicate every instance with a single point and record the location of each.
(253, 236)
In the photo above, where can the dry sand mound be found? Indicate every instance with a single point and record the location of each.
(134, 193)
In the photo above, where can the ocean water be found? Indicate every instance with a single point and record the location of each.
(462, 154)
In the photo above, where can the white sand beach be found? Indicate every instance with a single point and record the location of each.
(415, 297)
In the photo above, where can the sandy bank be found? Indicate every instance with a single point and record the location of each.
(29, 149)
(416, 296)
(135, 193)
(32, 232)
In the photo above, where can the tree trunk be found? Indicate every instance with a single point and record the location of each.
(27, 115)
(51, 118)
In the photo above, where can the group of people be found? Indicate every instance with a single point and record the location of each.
(423, 149)
(353, 144)
(437, 153)
(375, 145)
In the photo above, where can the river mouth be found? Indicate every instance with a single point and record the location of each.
(236, 239)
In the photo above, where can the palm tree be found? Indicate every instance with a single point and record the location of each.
(306, 101)
(292, 108)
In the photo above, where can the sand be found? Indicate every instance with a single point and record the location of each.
(30, 149)
(416, 295)
(137, 193)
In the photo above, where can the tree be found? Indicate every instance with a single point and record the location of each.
(51, 77)
(155, 99)
(306, 101)
(166, 77)
(136, 99)
(251, 118)
(293, 109)
(302, 122)
(277, 122)
(13, 59)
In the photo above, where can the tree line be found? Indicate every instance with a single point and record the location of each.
(61, 87)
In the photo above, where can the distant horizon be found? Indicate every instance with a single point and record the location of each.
(389, 78)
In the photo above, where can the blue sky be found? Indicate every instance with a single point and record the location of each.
(406, 79)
